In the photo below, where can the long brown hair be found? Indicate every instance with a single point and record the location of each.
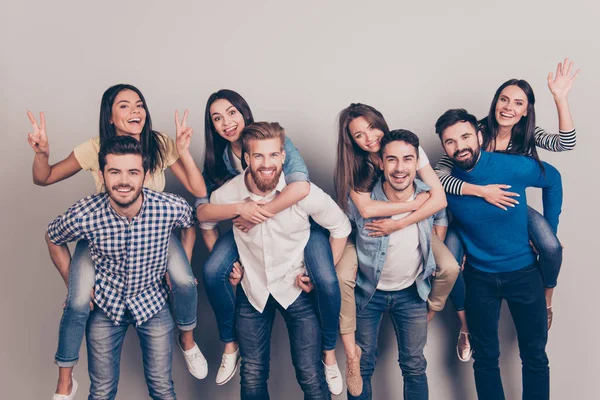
(354, 170)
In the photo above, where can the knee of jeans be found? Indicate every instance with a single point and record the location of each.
(412, 366)
(79, 303)
(327, 282)
(549, 248)
(253, 374)
(214, 271)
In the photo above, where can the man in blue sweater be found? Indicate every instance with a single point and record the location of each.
(500, 262)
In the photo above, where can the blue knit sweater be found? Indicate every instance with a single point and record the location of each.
(496, 240)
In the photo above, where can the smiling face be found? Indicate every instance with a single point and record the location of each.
(265, 160)
(227, 120)
(511, 106)
(128, 114)
(123, 177)
(399, 164)
(462, 144)
(365, 135)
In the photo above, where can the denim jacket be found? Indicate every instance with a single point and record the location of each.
(372, 251)
(294, 169)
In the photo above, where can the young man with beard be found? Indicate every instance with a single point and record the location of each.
(128, 229)
(394, 271)
(272, 255)
(500, 263)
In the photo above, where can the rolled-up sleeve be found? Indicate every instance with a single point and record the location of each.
(65, 228)
(294, 167)
(326, 212)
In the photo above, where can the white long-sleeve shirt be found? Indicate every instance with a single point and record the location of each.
(272, 253)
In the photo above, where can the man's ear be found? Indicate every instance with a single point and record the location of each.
(101, 175)
(247, 158)
(480, 138)
(283, 154)
(146, 176)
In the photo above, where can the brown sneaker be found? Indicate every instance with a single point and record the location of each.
(354, 380)
(463, 347)
(550, 314)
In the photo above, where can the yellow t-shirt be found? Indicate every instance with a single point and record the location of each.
(87, 156)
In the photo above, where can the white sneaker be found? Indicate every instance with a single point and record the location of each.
(333, 376)
(69, 396)
(229, 365)
(195, 361)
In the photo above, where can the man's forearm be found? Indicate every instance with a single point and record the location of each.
(61, 257)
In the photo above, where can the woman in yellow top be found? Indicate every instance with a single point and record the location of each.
(123, 112)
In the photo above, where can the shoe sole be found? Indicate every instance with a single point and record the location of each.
(466, 359)
(237, 364)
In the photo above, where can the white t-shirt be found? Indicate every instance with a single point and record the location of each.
(403, 261)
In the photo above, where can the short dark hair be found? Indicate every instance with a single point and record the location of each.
(452, 117)
(400, 134)
(122, 145)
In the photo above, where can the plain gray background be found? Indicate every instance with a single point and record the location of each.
(299, 64)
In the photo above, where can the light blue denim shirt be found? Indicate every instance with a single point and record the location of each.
(294, 169)
(372, 251)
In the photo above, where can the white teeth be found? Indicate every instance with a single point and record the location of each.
(134, 120)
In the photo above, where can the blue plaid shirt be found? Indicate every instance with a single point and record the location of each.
(130, 257)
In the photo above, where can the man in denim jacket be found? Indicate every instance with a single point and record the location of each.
(394, 271)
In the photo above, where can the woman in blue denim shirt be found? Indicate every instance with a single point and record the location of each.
(226, 115)
(511, 127)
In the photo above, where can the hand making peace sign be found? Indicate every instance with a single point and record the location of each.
(38, 139)
(183, 133)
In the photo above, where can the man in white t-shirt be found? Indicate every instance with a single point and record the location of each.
(394, 271)
(272, 254)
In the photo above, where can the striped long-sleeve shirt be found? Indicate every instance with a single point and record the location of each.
(561, 141)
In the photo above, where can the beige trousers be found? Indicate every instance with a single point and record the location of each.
(441, 283)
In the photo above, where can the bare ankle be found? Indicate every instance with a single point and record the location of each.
(231, 347)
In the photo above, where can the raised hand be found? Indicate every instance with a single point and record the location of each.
(183, 133)
(38, 139)
(560, 85)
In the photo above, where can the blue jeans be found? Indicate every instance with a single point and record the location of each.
(105, 341)
(319, 264)
(254, 337)
(544, 240)
(523, 290)
(409, 317)
(81, 282)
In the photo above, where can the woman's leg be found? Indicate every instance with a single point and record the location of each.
(346, 270)
(457, 295)
(550, 253)
(216, 272)
(442, 283)
(319, 265)
(184, 290)
(75, 314)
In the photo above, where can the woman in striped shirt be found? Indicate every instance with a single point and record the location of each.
(510, 127)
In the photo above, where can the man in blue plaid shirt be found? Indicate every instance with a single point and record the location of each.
(128, 229)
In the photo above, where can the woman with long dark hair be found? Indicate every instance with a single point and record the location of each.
(123, 111)
(510, 127)
(226, 115)
(361, 129)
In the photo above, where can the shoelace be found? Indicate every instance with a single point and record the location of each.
(349, 369)
(224, 359)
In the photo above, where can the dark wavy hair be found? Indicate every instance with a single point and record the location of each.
(153, 144)
(214, 166)
(354, 170)
(522, 136)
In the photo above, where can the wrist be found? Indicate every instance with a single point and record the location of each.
(561, 100)
(43, 154)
